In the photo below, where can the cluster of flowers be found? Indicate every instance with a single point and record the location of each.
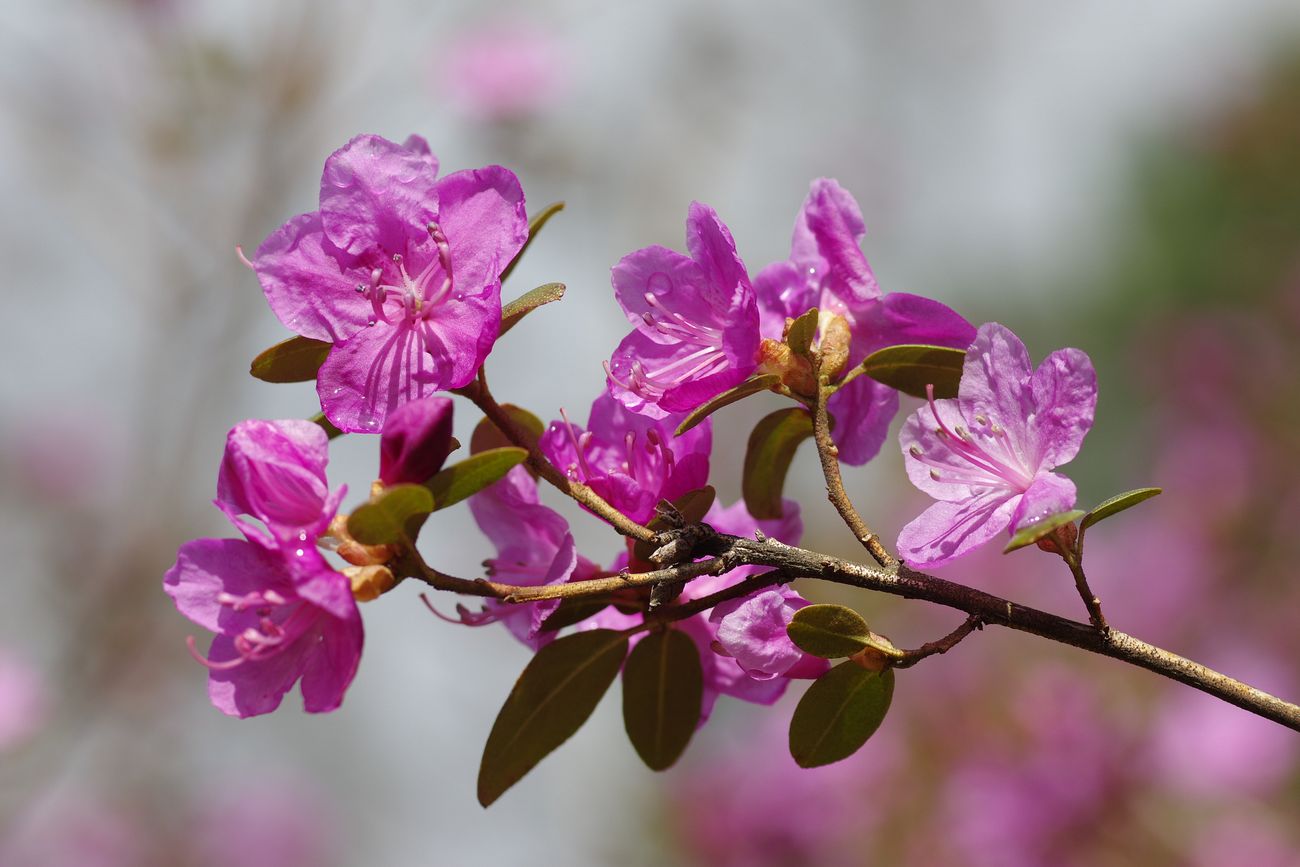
(401, 272)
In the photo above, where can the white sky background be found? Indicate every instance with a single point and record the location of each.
(986, 142)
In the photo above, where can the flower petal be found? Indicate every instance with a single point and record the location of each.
(995, 382)
(207, 568)
(926, 452)
(309, 283)
(863, 410)
(710, 244)
(752, 630)
(255, 687)
(332, 662)
(946, 531)
(369, 374)
(377, 195)
(828, 233)
(1050, 494)
(784, 292)
(676, 283)
(275, 471)
(481, 211)
(416, 441)
(899, 318)
(1064, 390)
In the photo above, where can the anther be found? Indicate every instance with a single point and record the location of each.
(915, 451)
(982, 419)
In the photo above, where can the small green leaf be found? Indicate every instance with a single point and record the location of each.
(753, 385)
(838, 713)
(663, 686)
(294, 360)
(1031, 534)
(767, 459)
(330, 430)
(692, 505)
(541, 218)
(552, 699)
(458, 481)
(910, 368)
(829, 631)
(527, 303)
(1117, 504)
(799, 336)
(488, 436)
(573, 610)
(383, 520)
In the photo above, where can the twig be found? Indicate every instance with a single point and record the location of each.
(478, 392)
(943, 645)
(828, 453)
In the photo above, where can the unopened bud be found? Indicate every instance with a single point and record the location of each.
(1068, 532)
(796, 373)
(834, 349)
(878, 655)
(353, 551)
(416, 441)
(369, 582)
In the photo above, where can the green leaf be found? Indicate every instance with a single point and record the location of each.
(527, 303)
(573, 610)
(692, 505)
(458, 481)
(767, 459)
(829, 631)
(294, 360)
(541, 218)
(330, 430)
(552, 699)
(799, 336)
(1031, 534)
(838, 713)
(910, 368)
(1117, 504)
(663, 687)
(488, 436)
(383, 520)
(753, 385)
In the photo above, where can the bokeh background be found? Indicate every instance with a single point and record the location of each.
(1120, 177)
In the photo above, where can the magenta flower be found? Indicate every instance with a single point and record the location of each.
(752, 631)
(275, 472)
(280, 613)
(503, 71)
(988, 455)
(753, 674)
(631, 460)
(827, 270)
(696, 321)
(534, 547)
(399, 269)
(416, 441)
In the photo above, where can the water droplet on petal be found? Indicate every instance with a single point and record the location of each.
(370, 323)
(459, 296)
(659, 283)
(299, 552)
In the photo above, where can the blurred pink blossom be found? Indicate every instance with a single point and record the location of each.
(79, 831)
(503, 71)
(23, 702)
(277, 823)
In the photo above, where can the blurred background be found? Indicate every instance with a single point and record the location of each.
(1120, 178)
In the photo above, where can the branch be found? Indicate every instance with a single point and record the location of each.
(728, 552)
(943, 645)
(828, 453)
(478, 392)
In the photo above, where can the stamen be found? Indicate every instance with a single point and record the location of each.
(577, 444)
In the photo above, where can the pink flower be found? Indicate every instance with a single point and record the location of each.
(631, 460)
(280, 613)
(695, 320)
(503, 71)
(399, 269)
(416, 441)
(988, 456)
(752, 631)
(827, 270)
(534, 547)
(23, 700)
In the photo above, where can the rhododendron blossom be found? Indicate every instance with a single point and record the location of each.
(828, 270)
(695, 319)
(279, 611)
(988, 455)
(631, 460)
(399, 269)
(416, 441)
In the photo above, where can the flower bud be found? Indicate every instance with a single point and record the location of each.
(275, 471)
(834, 349)
(416, 441)
(795, 372)
(369, 582)
(878, 655)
